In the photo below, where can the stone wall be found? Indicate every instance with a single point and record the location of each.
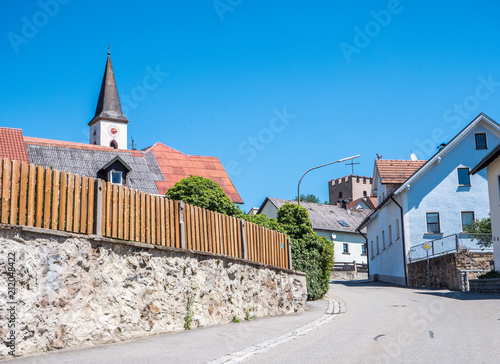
(488, 286)
(76, 291)
(445, 269)
(347, 275)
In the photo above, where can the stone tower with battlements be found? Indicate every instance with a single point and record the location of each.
(348, 189)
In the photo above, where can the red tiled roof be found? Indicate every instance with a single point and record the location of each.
(176, 166)
(396, 171)
(12, 145)
(374, 202)
(371, 202)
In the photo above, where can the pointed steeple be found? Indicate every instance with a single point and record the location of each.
(108, 105)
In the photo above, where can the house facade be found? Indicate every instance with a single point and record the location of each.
(421, 201)
(492, 164)
(333, 222)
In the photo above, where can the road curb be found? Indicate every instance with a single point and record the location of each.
(336, 306)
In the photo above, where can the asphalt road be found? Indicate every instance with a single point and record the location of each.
(382, 324)
(385, 324)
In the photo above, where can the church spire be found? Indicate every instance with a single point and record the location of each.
(109, 126)
(108, 105)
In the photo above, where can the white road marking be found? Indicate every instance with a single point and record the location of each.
(335, 307)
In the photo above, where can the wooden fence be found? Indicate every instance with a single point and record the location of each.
(49, 199)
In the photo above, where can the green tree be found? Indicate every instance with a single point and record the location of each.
(481, 226)
(308, 198)
(205, 193)
(311, 253)
(265, 221)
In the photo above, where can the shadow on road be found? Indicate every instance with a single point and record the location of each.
(463, 296)
(363, 283)
(457, 295)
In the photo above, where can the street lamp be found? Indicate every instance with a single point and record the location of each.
(323, 165)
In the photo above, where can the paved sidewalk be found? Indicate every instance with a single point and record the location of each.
(196, 346)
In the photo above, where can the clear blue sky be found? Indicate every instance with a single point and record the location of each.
(425, 70)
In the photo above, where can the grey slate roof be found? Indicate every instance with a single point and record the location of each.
(145, 169)
(108, 105)
(327, 217)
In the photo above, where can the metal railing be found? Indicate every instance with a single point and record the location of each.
(450, 244)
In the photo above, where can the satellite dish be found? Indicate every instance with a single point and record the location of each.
(334, 236)
(414, 157)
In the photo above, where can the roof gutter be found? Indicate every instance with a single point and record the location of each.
(367, 254)
(402, 238)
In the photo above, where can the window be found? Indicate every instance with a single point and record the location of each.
(371, 248)
(340, 194)
(499, 185)
(343, 223)
(363, 249)
(397, 229)
(346, 248)
(467, 219)
(390, 234)
(378, 248)
(364, 193)
(463, 176)
(116, 177)
(113, 144)
(433, 222)
(481, 141)
(383, 240)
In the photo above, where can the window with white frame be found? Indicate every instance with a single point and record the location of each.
(378, 247)
(433, 223)
(383, 240)
(389, 234)
(463, 176)
(345, 248)
(467, 219)
(363, 249)
(116, 177)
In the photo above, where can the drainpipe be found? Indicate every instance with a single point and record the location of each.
(402, 237)
(367, 253)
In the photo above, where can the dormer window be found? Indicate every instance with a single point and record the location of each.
(115, 171)
(480, 141)
(116, 177)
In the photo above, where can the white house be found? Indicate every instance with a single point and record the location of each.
(426, 200)
(333, 222)
(492, 164)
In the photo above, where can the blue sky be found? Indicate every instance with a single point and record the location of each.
(347, 78)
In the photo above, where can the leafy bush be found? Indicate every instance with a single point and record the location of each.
(311, 253)
(205, 193)
(264, 221)
(490, 274)
(483, 227)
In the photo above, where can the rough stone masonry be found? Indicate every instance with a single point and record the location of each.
(76, 291)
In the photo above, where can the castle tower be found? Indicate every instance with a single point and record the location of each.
(349, 188)
(109, 126)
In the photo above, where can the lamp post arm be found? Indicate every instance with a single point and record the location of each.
(323, 165)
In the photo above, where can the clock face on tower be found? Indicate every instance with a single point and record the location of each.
(113, 130)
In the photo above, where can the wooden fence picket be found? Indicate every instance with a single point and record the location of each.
(42, 197)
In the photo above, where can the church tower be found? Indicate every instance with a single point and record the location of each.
(109, 126)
